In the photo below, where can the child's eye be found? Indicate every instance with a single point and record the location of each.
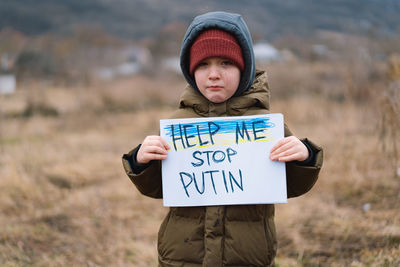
(202, 64)
(227, 62)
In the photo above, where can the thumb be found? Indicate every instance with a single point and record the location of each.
(165, 144)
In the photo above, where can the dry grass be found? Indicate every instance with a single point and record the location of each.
(350, 217)
(65, 199)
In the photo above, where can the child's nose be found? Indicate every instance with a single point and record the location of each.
(213, 73)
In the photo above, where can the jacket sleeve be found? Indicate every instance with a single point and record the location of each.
(147, 180)
(301, 178)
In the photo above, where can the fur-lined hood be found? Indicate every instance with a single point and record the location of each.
(235, 25)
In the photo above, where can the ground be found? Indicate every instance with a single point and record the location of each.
(66, 200)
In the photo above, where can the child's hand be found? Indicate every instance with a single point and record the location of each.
(152, 148)
(289, 149)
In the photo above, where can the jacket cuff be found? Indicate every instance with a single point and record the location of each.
(136, 167)
(147, 178)
(301, 178)
(310, 161)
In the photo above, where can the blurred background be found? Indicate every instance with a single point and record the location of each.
(82, 82)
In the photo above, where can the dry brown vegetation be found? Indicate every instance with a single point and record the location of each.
(65, 199)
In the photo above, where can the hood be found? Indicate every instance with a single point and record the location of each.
(257, 96)
(235, 25)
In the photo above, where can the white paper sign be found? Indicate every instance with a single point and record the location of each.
(222, 161)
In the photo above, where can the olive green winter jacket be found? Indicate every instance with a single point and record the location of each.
(242, 235)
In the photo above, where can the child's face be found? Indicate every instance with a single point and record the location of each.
(217, 79)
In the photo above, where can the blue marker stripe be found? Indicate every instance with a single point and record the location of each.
(226, 126)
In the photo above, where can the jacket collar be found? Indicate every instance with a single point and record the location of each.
(256, 96)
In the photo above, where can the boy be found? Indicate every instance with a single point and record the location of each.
(217, 61)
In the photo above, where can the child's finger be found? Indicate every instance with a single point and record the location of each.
(278, 144)
(286, 159)
(287, 145)
(284, 147)
(157, 157)
(158, 141)
(149, 157)
(156, 150)
(164, 143)
(283, 153)
(287, 152)
(291, 157)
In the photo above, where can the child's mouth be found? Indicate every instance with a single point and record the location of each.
(215, 88)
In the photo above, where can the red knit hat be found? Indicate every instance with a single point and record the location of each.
(215, 43)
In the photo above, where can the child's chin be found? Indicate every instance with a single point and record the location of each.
(216, 99)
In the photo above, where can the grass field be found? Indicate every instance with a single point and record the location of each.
(66, 201)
